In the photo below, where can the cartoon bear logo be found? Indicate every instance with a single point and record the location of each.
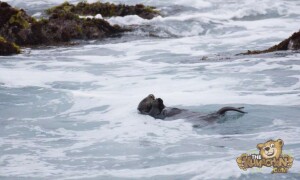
(270, 155)
(270, 149)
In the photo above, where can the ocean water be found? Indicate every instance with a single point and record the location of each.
(70, 112)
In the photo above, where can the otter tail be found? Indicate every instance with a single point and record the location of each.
(223, 110)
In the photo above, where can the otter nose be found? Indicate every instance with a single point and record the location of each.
(267, 148)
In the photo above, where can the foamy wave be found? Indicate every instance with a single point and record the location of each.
(162, 26)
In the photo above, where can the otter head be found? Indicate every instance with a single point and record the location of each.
(146, 104)
(157, 107)
(159, 103)
(270, 149)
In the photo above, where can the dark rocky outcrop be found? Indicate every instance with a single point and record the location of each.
(291, 43)
(105, 9)
(13, 22)
(63, 23)
(18, 27)
(8, 48)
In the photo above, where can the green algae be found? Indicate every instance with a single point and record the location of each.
(8, 48)
(18, 19)
(105, 9)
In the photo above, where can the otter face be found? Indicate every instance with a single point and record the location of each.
(159, 103)
(157, 107)
(146, 104)
(271, 149)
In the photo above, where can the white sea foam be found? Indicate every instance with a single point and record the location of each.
(97, 16)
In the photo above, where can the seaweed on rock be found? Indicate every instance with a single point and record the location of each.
(63, 23)
(60, 28)
(8, 48)
(105, 9)
(291, 43)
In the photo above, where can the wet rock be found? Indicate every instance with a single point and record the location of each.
(8, 48)
(67, 26)
(13, 22)
(106, 9)
(291, 43)
(62, 26)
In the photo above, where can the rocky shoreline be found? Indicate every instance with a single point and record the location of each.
(63, 24)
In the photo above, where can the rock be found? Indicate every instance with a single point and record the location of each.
(8, 48)
(61, 27)
(105, 9)
(12, 22)
(67, 26)
(63, 24)
(291, 43)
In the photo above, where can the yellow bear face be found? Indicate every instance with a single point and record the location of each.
(270, 149)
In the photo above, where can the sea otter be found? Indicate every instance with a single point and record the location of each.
(146, 104)
(157, 109)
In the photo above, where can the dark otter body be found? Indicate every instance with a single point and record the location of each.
(159, 111)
